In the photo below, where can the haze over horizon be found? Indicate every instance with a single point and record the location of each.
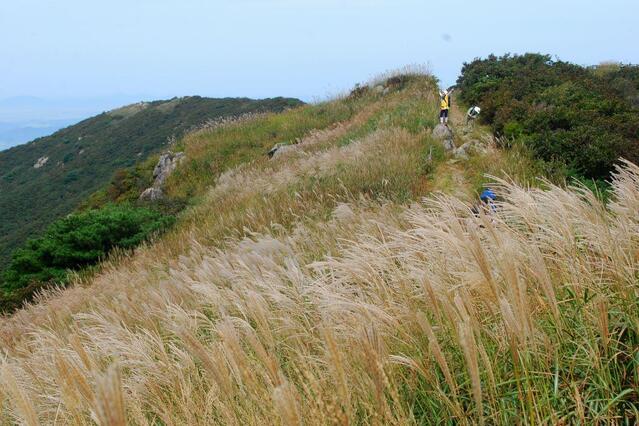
(96, 56)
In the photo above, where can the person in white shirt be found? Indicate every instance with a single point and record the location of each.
(472, 114)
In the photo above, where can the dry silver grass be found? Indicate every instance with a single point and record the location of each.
(22, 407)
(322, 323)
(411, 70)
(223, 122)
(110, 409)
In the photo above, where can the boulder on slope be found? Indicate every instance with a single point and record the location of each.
(445, 135)
(167, 163)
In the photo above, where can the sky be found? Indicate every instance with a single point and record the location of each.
(127, 50)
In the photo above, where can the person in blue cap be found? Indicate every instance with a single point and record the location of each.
(487, 198)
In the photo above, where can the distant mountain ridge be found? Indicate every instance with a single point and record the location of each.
(30, 108)
(50, 176)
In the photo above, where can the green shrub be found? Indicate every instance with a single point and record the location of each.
(586, 118)
(78, 241)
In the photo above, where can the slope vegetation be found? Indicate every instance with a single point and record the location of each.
(49, 177)
(348, 282)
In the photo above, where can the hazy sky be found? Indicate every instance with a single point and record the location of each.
(302, 48)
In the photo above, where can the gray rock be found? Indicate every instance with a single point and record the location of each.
(461, 152)
(283, 150)
(448, 144)
(280, 149)
(41, 162)
(166, 165)
(471, 147)
(275, 148)
(152, 194)
(445, 135)
(378, 89)
(441, 132)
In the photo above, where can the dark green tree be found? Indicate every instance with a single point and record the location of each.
(80, 240)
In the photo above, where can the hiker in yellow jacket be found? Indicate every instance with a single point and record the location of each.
(444, 105)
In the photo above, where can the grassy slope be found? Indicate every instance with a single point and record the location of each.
(315, 289)
(83, 157)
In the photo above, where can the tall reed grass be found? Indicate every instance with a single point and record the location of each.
(315, 289)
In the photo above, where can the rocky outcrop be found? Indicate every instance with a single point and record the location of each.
(443, 134)
(281, 149)
(471, 147)
(166, 165)
(41, 162)
(284, 150)
(152, 194)
(274, 150)
(381, 88)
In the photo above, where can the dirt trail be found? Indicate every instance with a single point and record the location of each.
(457, 116)
(450, 177)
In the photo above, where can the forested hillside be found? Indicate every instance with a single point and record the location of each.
(49, 177)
